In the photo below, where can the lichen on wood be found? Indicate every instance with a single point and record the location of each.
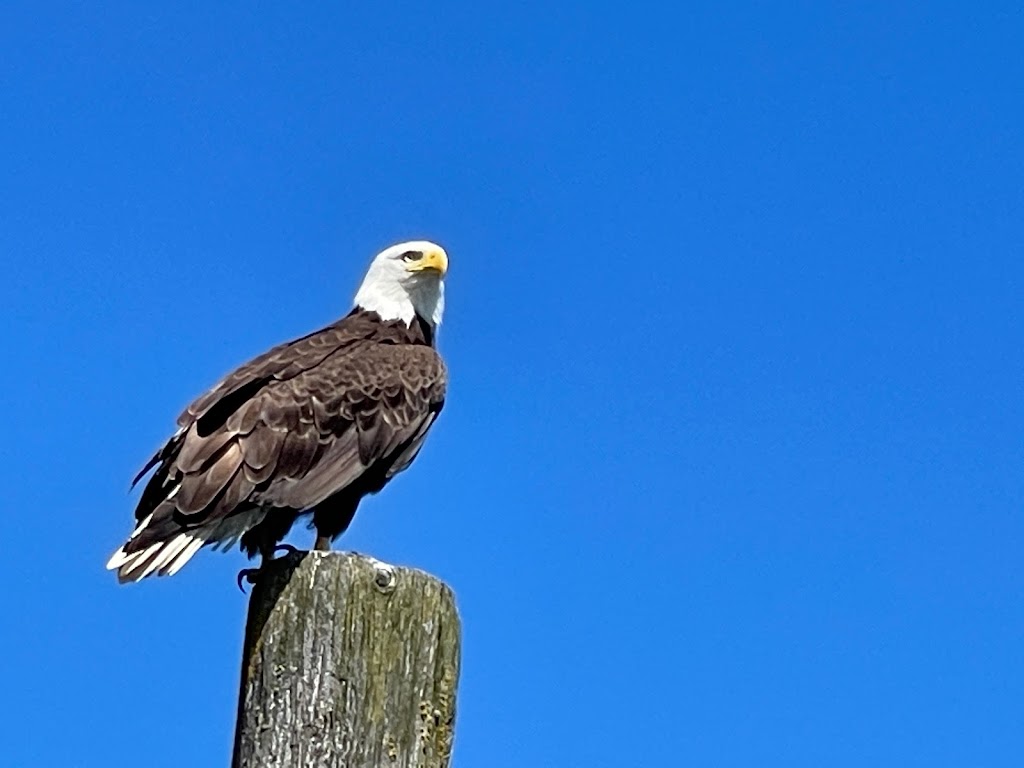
(347, 662)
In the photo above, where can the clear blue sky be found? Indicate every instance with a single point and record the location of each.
(731, 468)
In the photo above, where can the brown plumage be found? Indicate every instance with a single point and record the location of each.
(312, 425)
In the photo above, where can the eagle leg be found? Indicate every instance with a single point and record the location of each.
(332, 517)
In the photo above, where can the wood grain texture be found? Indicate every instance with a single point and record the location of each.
(347, 662)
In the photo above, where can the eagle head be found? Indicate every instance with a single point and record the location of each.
(406, 280)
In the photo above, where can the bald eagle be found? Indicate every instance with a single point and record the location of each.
(309, 427)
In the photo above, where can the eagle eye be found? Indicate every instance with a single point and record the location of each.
(412, 256)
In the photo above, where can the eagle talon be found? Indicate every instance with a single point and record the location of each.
(288, 549)
(249, 574)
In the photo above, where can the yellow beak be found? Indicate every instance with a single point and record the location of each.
(435, 259)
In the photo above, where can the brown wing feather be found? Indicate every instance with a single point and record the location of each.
(387, 392)
(285, 361)
(294, 426)
(199, 489)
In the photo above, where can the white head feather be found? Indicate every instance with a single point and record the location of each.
(406, 280)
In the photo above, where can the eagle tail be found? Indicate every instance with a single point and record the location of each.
(157, 547)
(163, 558)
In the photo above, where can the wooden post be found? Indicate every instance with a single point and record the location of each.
(348, 662)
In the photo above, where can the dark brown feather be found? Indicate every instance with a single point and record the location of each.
(197, 451)
(198, 489)
(325, 416)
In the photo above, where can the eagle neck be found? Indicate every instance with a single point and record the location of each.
(418, 331)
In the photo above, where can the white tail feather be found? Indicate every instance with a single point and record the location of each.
(121, 558)
(170, 550)
(165, 558)
(183, 557)
(127, 564)
(142, 524)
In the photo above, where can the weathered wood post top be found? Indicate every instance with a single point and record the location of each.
(347, 662)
